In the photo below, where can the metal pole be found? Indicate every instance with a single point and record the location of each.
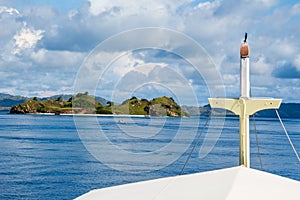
(245, 69)
(244, 135)
(245, 94)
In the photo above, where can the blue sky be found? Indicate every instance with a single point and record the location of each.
(45, 42)
(62, 6)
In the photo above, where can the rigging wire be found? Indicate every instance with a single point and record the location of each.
(287, 135)
(256, 138)
(196, 143)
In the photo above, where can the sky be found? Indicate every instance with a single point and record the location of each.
(51, 47)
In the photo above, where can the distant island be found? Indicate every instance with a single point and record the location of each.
(60, 104)
(82, 103)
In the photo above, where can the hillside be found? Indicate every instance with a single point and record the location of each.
(47, 106)
(161, 106)
(7, 100)
(82, 103)
(287, 110)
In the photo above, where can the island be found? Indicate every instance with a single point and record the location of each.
(83, 103)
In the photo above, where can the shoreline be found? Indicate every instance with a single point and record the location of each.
(91, 115)
(105, 115)
(100, 115)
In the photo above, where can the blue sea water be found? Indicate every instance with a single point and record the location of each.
(44, 157)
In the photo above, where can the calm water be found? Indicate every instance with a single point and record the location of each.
(43, 157)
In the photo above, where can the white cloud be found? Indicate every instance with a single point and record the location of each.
(26, 39)
(57, 59)
(208, 6)
(261, 66)
(10, 23)
(125, 64)
(128, 62)
(284, 47)
(297, 62)
(147, 68)
(158, 81)
(128, 8)
(267, 3)
(11, 11)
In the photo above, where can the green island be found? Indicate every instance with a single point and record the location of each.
(82, 103)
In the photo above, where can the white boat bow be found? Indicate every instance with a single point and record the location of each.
(228, 184)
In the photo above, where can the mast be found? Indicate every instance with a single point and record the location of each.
(244, 106)
(245, 69)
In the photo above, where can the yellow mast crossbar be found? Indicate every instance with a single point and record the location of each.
(244, 107)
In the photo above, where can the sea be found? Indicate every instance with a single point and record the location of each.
(65, 156)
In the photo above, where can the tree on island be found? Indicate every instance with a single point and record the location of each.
(110, 103)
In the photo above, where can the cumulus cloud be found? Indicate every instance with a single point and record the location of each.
(26, 38)
(43, 40)
(57, 59)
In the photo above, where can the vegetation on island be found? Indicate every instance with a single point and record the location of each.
(82, 103)
(161, 106)
(63, 104)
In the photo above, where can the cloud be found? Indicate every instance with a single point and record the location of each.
(261, 66)
(297, 62)
(129, 8)
(10, 11)
(287, 71)
(51, 42)
(26, 38)
(159, 80)
(9, 19)
(57, 59)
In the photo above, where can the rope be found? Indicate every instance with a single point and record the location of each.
(287, 135)
(196, 143)
(256, 138)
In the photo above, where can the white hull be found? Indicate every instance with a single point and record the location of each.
(231, 183)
